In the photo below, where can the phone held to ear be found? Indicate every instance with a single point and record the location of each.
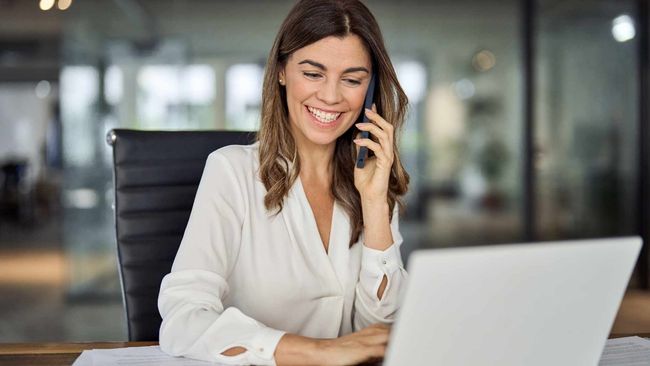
(370, 96)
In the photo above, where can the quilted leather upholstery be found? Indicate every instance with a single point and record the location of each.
(156, 175)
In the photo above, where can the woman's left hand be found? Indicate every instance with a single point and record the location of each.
(372, 180)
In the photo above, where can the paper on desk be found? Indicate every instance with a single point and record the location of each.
(628, 351)
(135, 356)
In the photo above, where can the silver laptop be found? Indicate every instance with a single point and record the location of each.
(528, 304)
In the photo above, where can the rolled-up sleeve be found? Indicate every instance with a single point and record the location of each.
(375, 264)
(195, 323)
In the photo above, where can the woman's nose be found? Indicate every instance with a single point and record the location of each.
(329, 92)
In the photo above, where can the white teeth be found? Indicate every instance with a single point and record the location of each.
(323, 116)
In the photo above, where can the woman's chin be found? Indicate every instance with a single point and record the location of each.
(322, 140)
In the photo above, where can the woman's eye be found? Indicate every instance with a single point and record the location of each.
(353, 82)
(311, 75)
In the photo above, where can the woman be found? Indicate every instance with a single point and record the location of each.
(291, 253)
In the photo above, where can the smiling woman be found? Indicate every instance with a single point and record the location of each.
(325, 24)
(278, 264)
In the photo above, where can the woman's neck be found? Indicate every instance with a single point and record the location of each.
(316, 162)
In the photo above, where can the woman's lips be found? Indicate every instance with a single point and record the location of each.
(323, 124)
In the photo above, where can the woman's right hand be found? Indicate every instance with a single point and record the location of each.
(366, 345)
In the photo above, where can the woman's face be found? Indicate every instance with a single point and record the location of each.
(326, 83)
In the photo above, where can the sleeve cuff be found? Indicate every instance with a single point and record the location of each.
(379, 262)
(263, 346)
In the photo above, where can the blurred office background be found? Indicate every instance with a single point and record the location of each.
(528, 122)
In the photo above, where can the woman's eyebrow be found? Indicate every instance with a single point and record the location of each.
(322, 67)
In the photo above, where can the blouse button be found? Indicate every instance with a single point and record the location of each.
(261, 349)
(383, 261)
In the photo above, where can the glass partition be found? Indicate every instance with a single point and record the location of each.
(586, 119)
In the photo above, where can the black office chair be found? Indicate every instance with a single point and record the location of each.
(156, 175)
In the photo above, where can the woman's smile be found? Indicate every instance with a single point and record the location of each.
(324, 119)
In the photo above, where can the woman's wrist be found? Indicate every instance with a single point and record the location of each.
(374, 199)
(374, 208)
(298, 350)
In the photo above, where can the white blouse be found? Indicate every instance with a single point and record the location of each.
(243, 276)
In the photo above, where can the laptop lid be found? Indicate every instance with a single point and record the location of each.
(528, 304)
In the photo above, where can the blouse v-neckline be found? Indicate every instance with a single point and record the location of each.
(303, 230)
(314, 223)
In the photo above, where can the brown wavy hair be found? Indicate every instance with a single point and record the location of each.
(308, 22)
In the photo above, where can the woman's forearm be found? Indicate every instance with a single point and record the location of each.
(376, 224)
(376, 231)
(297, 350)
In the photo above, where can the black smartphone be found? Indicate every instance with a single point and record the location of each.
(370, 96)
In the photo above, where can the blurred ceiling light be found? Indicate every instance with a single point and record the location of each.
(464, 89)
(46, 4)
(64, 4)
(484, 60)
(43, 89)
(623, 28)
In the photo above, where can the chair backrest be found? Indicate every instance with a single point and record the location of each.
(156, 175)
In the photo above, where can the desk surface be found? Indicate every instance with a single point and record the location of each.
(53, 354)
(64, 354)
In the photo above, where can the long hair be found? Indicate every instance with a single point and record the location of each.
(308, 22)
